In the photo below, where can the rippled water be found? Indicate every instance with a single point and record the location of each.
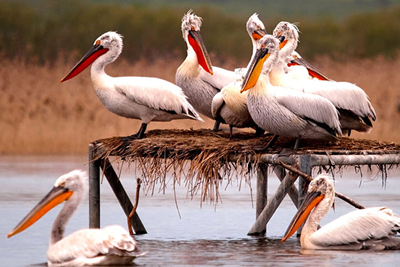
(203, 234)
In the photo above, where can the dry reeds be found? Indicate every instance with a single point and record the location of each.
(38, 115)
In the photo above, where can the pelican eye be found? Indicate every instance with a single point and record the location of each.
(192, 28)
(97, 42)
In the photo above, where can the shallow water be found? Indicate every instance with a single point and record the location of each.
(187, 233)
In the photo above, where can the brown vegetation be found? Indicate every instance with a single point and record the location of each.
(38, 115)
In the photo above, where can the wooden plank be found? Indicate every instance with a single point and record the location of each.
(305, 167)
(122, 196)
(262, 188)
(293, 192)
(94, 190)
(259, 226)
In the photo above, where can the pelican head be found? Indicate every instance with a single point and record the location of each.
(70, 186)
(191, 34)
(320, 188)
(109, 43)
(267, 46)
(285, 32)
(255, 28)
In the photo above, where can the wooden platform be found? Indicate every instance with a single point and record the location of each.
(202, 158)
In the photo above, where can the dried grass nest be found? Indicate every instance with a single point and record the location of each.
(202, 157)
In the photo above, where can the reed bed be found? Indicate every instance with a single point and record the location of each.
(38, 115)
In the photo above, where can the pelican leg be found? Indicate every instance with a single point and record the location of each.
(230, 131)
(272, 141)
(140, 133)
(296, 144)
(216, 126)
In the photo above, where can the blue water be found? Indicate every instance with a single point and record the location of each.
(183, 231)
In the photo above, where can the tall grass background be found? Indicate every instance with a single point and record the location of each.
(41, 40)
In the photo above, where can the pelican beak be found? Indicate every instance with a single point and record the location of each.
(254, 69)
(310, 201)
(196, 41)
(258, 34)
(282, 41)
(56, 196)
(91, 55)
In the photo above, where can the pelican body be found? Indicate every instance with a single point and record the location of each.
(199, 80)
(111, 245)
(355, 109)
(144, 98)
(281, 111)
(369, 228)
(229, 105)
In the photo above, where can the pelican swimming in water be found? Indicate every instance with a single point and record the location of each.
(355, 109)
(285, 112)
(144, 98)
(199, 80)
(370, 228)
(111, 245)
(229, 105)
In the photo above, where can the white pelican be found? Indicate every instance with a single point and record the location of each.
(111, 245)
(370, 228)
(229, 105)
(199, 80)
(282, 111)
(144, 98)
(355, 109)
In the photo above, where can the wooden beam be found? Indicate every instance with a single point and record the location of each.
(121, 195)
(259, 226)
(305, 167)
(293, 192)
(262, 188)
(94, 190)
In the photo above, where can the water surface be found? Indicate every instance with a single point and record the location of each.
(182, 231)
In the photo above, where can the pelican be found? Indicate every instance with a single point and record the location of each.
(355, 109)
(299, 68)
(281, 111)
(199, 80)
(145, 98)
(111, 245)
(370, 228)
(229, 105)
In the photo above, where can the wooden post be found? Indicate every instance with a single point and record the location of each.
(94, 190)
(259, 227)
(305, 167)
(262, 188)
(293, 192)
(122, 196)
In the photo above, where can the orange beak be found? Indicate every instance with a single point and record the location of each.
(254, 69)
(310, 201)
(56, 196)
(93, 53)
(196, 41)
(258, 34)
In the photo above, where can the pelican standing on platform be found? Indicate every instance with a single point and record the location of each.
(281, 111)
(144, 98)
(230, 106)
(199, 80)
(370, 228)
(111, 245)
(355, 109)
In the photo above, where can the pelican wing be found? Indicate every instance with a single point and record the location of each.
(219, 79)
(343, 95)
(216, 106)
(91, 243)
(309, 107)
(358, 227)
(155, 93)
